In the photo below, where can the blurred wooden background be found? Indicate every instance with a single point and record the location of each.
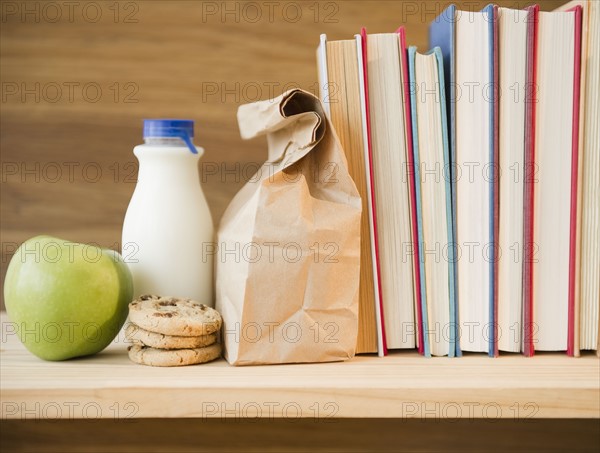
(78, 79)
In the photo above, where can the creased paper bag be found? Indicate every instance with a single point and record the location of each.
(288, 245)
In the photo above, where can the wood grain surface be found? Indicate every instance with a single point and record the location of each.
(78, 80)
(402, 385)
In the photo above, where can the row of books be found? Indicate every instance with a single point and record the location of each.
(479, 166)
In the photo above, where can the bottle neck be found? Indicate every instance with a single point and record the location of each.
(164, 141)
(166, 160)
(175, 143)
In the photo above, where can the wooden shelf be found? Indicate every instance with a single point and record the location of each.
(402, 385)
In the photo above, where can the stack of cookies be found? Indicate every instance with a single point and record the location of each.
(167, 331)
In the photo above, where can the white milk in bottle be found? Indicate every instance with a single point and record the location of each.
(168, 231)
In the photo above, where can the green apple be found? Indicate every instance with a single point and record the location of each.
(66, 299)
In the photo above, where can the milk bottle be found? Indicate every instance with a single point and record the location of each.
(168, 231)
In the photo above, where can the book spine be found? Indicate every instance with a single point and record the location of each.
(420, 290)
(442, 34)
(574, 183)
(452, 352)
(529, 182)
(495, 184)
(411, 175)
(363, 34)
(491, 11)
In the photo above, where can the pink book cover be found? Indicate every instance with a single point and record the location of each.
(363, 35)
(531, 101)
(529, 187)
(412, 186)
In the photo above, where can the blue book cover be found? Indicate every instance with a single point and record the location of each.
(442, 34)
(453, 346)
(491, 11)
(422, 288)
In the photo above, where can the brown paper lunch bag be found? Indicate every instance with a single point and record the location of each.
(288, 246)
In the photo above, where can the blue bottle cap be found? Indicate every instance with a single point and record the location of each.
(183, 129)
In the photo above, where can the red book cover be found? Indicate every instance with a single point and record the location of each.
(530, 179)
(530, 175)
(412, 186)
(363, 35)
(574, 181)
